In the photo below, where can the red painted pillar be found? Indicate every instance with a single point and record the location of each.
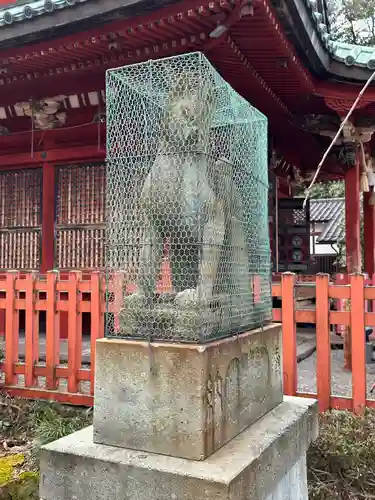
(48, 218)
(369, 234)
(353, 240)
(48, 233)
(353, 220)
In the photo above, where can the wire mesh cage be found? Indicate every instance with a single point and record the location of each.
(188, 255)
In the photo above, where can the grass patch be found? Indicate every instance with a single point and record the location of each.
(341, 463)
(53, 421)
(24, 427)
(39, 422)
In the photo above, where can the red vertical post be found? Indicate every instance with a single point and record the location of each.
(357, 321)
(340, 280)
(52, 333)
(353, 240)
(2, 322)
(289, 334)
(74, 332)
(11, 330)
(31, 333)
(369, 234)
(2, 311)
(323, 342)
(48, 218)
(97, 321)
(353, 220)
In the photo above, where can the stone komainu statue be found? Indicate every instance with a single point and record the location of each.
(187, 170)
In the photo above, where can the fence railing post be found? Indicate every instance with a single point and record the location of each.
(97, 321)
(357, 320)
(52, 332)
(340, 280)
(31, 332)
(289, 334)
(11, 329)
(74, 332)
(323, 342)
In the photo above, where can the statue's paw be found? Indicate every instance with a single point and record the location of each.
(187, 297)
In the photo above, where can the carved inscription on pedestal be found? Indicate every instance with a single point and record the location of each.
(276, 360)
(234, 397)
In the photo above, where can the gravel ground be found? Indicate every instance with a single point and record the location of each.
(341, 379)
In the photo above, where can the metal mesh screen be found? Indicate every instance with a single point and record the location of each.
(187, 192)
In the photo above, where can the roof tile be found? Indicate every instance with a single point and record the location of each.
(23, 11)
(349, 54)
(332, 211)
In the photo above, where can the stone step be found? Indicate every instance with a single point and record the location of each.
(266, 461)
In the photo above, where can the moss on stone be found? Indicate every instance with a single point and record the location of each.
(7, 465)
(26, 487)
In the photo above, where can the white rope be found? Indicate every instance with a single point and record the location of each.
(337, 136)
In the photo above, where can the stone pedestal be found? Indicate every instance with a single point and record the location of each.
(265, 462)
(187, 422)
(185, 400)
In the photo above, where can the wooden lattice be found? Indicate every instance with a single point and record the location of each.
(20, 219)
(80, 217)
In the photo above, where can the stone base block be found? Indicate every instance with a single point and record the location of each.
(265, 462)
(185, 400)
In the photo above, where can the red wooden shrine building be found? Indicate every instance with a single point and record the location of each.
(53, 57)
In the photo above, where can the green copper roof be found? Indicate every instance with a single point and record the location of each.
(353, 55)
(349, 54)
(23, 10)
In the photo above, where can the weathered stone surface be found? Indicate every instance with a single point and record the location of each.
(265, 462)
(293, 486)
(185, 400)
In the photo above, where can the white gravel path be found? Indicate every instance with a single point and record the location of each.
(341, 379)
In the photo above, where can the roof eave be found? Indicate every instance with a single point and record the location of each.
(66, 21)
(300, 25)
(339, 71)
(314, 45)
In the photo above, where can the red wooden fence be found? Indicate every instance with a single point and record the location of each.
(356, 292)
(26, 374)
(40, 365)
(40, 369)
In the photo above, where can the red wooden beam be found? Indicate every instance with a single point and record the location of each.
(75, 135)
(65, 84)
(38, 84)
(84, 153)
(48, 218)
(62, 397)
(343, 91)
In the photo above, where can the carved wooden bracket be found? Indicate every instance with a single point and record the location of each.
(325, 125)
(342, 106)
